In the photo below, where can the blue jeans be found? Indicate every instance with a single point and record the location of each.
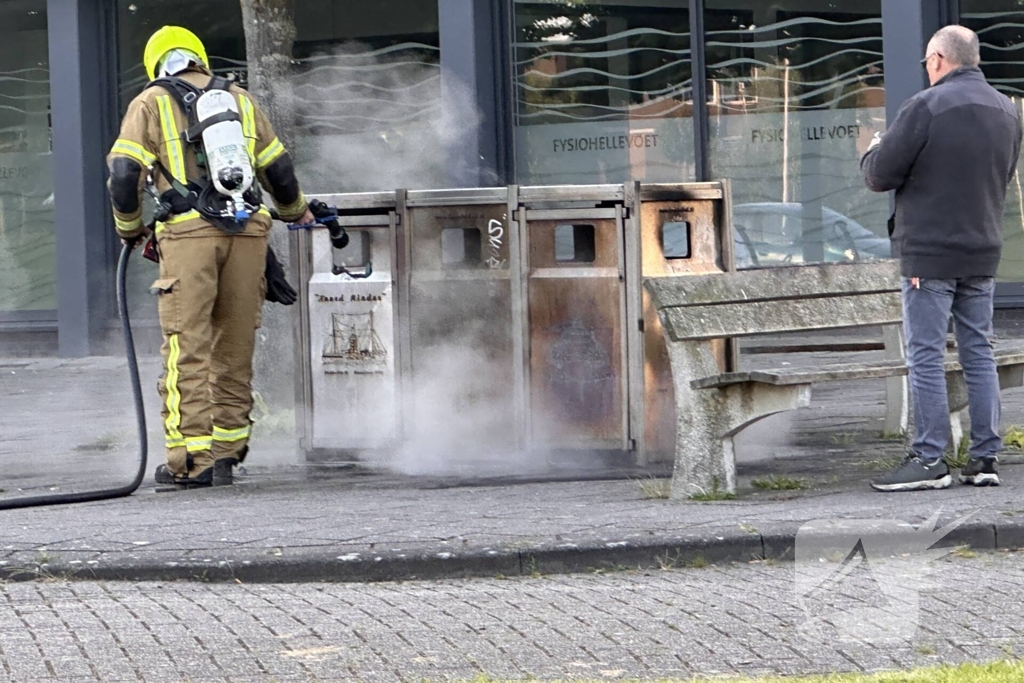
(926, 314)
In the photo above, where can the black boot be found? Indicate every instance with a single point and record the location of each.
(164, 476)
(223, 471)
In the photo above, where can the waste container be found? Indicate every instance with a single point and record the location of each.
(501, 321)
(349, 332)
(576, 294)
(459, 378)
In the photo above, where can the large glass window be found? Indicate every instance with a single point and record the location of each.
(603, 91)
(1000, 27)
(795, 94)
(27, 241)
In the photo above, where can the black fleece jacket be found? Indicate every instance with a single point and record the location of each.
(949, 154)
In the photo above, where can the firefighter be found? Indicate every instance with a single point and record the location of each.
(205, 162)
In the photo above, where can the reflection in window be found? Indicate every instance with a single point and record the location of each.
(1000, 28)
(575, 244)
(603, 92)
(794, 91)
(27, 240)
(675, 240)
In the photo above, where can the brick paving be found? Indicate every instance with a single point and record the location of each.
(729, 619)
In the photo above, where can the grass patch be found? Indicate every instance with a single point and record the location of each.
(998, 672)
(652, 488)
(715, 494)
(776, 483)
(1014, 438)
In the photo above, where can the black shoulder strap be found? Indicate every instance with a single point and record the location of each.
(182, 91)
(218, 83)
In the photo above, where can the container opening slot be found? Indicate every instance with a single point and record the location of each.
(675, 240)
(460, 247)
(575, 244)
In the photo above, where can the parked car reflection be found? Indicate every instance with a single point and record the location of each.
(773, 234)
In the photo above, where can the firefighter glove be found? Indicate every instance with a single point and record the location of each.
(278, 289)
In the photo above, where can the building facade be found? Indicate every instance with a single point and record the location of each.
(780, 96)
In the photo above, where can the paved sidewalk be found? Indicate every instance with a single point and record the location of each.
(652, 625)
(67, 425)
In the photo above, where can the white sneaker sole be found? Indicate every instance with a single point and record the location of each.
(981, 480)
(943, 483)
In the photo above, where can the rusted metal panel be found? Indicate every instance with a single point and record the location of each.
(577, 359)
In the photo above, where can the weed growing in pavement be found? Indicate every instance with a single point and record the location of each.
(842, 439)
(655, 489)
(958, 459)
(698, 562)
(926, 650)
(668, 562)
(893, 436)
(777, 483)
(965, 553)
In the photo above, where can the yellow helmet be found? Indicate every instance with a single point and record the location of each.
(170, 38)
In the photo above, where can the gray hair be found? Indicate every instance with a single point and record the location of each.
(958, 45)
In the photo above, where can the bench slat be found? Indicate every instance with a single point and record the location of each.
(840, 371)
(693, 323)
(771, 284)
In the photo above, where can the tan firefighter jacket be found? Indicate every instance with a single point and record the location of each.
(151, 134)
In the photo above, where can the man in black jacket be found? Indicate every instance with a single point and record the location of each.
(949, 155)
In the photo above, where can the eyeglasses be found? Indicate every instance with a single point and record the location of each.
(930, 55)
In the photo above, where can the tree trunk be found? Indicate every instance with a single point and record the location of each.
(269, 37)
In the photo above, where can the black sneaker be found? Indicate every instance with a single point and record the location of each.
(914, 474)
(165, 477)
(980, 472)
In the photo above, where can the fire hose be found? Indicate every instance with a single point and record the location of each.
(140, 414)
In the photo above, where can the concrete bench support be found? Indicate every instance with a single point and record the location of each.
(707, 420)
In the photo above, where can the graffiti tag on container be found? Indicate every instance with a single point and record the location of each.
(495, 235)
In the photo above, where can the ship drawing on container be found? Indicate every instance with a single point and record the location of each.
(353, 344)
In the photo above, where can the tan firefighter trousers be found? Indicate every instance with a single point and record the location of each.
(210, 297)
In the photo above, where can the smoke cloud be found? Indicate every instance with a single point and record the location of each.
(381, 120)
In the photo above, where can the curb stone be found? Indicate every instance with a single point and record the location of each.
(321, 565)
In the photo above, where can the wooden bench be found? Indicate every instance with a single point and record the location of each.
(712, 406)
